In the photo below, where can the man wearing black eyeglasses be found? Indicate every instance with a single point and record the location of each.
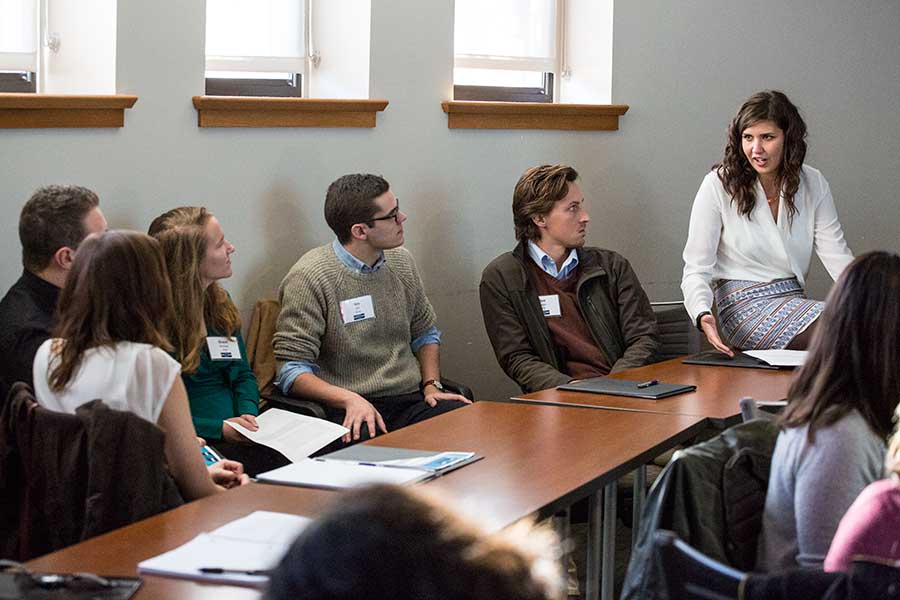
(356, 331)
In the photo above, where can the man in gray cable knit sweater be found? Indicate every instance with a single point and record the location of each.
(356, 331)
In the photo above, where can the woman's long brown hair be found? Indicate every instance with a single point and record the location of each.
(735, 171)
(182, 234)
(117, 291)
(855, 352)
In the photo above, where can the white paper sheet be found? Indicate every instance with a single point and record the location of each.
(295, 436)
(252, 543)
(339, 474)
(780, 358)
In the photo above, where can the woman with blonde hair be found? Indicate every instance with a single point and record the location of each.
(871, 527)
(206, 335)
(110, 343)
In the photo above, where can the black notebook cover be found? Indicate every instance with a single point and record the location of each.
(21, 586)
(627, 387)
(717, 359)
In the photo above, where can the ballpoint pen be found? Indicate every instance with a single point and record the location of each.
(646, 384)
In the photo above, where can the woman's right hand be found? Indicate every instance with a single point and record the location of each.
(230, 434)
(708, 325)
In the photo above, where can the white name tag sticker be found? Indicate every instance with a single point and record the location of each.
(223, 348)
(357, 309)
(550, 305)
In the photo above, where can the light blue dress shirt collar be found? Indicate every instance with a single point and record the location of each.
(353, 263)
(548, 265)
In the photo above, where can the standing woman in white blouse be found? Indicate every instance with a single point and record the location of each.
(755, 221)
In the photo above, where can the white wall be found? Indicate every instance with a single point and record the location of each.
(683, 67)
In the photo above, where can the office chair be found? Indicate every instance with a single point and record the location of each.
(65, 478)
(691, 575)
(750, 410)
(677, 334)
(712, 495)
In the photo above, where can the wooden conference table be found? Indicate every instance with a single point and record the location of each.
(716, 397)
(537, 460)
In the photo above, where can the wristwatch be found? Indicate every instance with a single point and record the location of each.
(435, 382)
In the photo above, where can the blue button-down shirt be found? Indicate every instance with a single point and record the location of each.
(292, 369)
(548, 265)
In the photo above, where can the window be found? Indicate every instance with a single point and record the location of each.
(551, 51)
(18, 45)
(256, 47)
(58, 46)
(508, 50)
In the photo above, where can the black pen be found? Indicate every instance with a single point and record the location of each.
(646, 384)
(223, 571)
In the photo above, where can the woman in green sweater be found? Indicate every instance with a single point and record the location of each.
(206, 335)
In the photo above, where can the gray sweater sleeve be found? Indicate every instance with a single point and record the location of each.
(844, 459)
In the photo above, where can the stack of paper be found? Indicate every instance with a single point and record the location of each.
(296, 436)
(235, 553)
(779, 358)
(339, 474)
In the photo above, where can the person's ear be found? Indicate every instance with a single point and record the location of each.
(63, 258)
(539, 220)
(359, 231)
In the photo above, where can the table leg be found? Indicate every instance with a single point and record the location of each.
(640, 486)
(607, 576)
(593, 547)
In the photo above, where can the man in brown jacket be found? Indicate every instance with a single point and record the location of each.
(554, 309)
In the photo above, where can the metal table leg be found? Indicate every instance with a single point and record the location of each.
(593, 547)
(607, 576)
(640, 486)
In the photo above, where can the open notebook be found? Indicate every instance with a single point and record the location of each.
(240, 553)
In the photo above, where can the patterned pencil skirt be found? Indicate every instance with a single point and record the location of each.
(763, 316)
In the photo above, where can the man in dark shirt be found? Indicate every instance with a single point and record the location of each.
(52, 224)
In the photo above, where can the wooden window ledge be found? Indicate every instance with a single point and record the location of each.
(44, 111)
(246, 111)
(532, 115)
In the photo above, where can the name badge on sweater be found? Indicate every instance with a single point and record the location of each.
(223, 348)
(550, 305)
(357, 309)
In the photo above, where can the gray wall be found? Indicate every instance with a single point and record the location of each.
(684, 67)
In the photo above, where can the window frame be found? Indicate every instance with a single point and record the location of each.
(18, 82)
(491, 93)
(547, 94)
(263, 87)
(269, 88)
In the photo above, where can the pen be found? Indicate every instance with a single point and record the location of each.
(223, 571)
(646, 384)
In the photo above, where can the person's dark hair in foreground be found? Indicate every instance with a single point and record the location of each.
(391, 542)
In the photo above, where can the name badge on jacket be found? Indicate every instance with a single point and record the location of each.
(357, 309)
(223, 348)
(550, 305)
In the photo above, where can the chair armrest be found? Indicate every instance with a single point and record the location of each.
(303, 407)
(458, 388)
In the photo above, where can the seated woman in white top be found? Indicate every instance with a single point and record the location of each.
(111, 344)
(755, 222)
(839, 414)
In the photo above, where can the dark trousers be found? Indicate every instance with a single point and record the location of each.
(256, 458)
(397, 412)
